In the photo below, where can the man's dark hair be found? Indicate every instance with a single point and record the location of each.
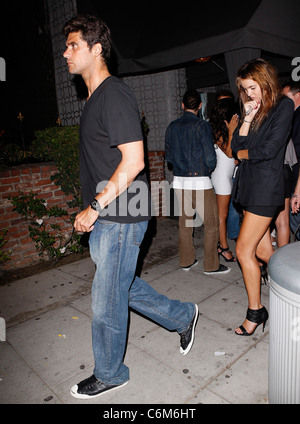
(294, 86)
(93, 30)
(191, 99)
(224, 94)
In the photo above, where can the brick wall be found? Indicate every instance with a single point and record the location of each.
(27, 178)
(36, 178)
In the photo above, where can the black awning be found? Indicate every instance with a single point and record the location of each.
(159, 36)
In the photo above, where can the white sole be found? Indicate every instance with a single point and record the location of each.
(218, 272)
(74, 393)
(186, 351)
(192, 266)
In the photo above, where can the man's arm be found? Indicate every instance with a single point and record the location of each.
(132, 163)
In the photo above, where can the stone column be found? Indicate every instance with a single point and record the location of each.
(69, 105)
(159, 97)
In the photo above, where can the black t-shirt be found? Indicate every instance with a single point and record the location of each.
(110, 118)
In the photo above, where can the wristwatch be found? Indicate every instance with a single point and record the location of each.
(95, 205)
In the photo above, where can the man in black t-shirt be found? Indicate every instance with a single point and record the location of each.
(116, 210)
(110, 131)
(108, 122)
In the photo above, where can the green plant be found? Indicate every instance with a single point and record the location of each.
(44, 230)
(61, 145)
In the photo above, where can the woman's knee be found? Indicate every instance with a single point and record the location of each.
(244, 252)
(240, 251)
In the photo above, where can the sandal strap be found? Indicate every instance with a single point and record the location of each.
(243, 329)
(222, 249)
(257, 316)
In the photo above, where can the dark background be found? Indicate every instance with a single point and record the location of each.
(25, 44)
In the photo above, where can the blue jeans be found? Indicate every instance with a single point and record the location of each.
(233, 221)
(295, 224)
(114, 249)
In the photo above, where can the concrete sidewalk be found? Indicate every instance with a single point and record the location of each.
(48, 340)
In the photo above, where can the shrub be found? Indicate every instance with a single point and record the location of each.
(61, 145)
(44, 229)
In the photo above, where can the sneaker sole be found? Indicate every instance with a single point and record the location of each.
(186, 351)
(187, 269)
(217, 272)
(74, 393)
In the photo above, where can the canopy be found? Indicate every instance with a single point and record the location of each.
(162, 35)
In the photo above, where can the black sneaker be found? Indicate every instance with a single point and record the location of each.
(187, 268)
(92, 387)
(221, 270)
(187, 337)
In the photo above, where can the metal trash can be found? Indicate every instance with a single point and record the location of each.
(284, 325)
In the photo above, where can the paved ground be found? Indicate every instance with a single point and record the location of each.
(48, 336)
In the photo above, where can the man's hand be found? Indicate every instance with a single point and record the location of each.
(295, 200)
(231, 126)
(295, 203)
(84, 221)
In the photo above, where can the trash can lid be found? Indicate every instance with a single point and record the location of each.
(284, 267)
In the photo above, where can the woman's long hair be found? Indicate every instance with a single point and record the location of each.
(266, 76)
(223, 111)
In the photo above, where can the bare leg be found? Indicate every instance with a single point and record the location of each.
(253, 242)
(223, 207)
(283, 225)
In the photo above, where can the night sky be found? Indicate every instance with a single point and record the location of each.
(25, 45)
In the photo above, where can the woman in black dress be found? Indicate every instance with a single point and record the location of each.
(259, 143)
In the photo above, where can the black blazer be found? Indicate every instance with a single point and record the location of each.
(296, 131)
(259, 180)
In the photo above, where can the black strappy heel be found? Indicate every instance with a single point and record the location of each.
(264, 274)
(258, 316)
(220, 253)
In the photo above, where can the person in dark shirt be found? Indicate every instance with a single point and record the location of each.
(259, 143)
(116, 202)
(292, 90)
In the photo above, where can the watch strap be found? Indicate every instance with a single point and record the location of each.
(95, 205)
